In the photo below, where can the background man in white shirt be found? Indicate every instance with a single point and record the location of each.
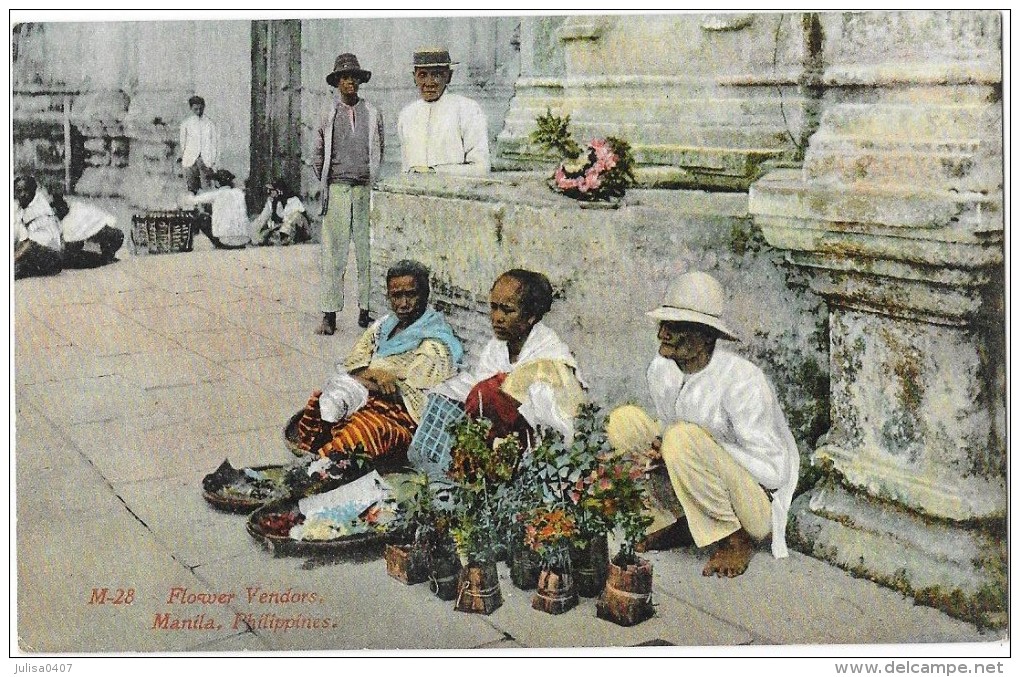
(199, 146)
(721, 435)
(441, 132)
(38, 246)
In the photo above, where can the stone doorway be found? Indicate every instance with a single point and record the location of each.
(275, 107)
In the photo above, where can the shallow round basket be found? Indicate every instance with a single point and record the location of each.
(290, 434)
(236, 504)
(284, 546)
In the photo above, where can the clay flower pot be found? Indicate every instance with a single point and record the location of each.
(524, 566)
(556, 592)
(478, 589)
(443, 575)
(403, 562)
(627, 598)
(591, 566)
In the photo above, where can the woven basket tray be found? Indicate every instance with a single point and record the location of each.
(372, 543)
(164, 231)
(290, 434)
(236, 504)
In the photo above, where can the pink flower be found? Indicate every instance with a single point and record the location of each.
(575, 496)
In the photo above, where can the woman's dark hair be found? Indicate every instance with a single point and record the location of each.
(410, 268)
(196, 99)
(536, 290)
(224, 177)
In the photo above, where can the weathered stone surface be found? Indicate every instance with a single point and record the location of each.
(898, 216)
(608, 266)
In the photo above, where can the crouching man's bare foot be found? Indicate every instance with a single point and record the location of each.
(731, 557)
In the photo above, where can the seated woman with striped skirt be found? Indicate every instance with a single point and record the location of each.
(376, 397)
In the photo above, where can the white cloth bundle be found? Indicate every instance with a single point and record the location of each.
(341, 396)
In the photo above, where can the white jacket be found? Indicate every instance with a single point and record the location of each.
(450, 135)
(199, 137)
(734, 401)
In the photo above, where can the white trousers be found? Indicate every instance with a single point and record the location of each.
(346, 218)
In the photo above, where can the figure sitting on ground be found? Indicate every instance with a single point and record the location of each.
(81, 224)
(283, 220)
(35, 230)
(722, 437)
(376, 397)
(228, 227)
(525, 376)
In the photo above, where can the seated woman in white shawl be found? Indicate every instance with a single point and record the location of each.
(525, 377)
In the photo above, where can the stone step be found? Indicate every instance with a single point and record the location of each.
(952, 171)
(880, 121)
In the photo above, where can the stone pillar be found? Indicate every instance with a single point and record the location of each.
(897, 216)
(99, 119)
(704, 99)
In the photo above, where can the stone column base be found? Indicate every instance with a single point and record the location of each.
(957, 567)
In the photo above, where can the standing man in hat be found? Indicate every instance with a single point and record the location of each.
(441, 132)
(199, 146)
(721, 435)
(348, 152)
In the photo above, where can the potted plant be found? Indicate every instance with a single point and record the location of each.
(480, 519)
(627, 597)
(549, 533)
(599, 173)
(420, 528)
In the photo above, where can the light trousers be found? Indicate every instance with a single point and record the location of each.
(716, 493)
(346, 218)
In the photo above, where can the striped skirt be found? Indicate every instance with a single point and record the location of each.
(382, 427)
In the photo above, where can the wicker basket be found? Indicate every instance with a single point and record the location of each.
(164, 231)
(357, 546)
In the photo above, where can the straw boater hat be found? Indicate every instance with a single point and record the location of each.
(695, 297)
(347, 63)
(433, 57)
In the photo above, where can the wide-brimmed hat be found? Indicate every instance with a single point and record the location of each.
(695, 297)
(433, 57)
(347, 63)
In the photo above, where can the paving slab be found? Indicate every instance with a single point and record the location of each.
(32, 335)
(86, 400)
(183, 523)
(117, 339)
(230, 345)
(800, 600)
(59, 363)
(172, 321)
(132, 451)
(241, 642)
(147, 297)
(271, 374)
(261, 446)
(165, 368)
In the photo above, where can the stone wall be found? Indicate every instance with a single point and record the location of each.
(608, 267)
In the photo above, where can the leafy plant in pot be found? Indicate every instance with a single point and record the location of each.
(549, 533)
(480, 510)
(424, 548)
(627, 597)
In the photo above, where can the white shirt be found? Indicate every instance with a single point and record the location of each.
(450, 135)
(734, 401)
(540, 407)
(229, 212)
(38, 223)
(199, 138)
(83, 221)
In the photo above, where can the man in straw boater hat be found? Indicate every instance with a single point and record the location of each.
(348, 152)
(441, 132)
(731, 460)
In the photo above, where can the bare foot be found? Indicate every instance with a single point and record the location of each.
(326, 329)
(732, 556)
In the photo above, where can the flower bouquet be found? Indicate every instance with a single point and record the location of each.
(425, 549)
(600, 172)
(549, 532)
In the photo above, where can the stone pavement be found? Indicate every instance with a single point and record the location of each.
(135, 380)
